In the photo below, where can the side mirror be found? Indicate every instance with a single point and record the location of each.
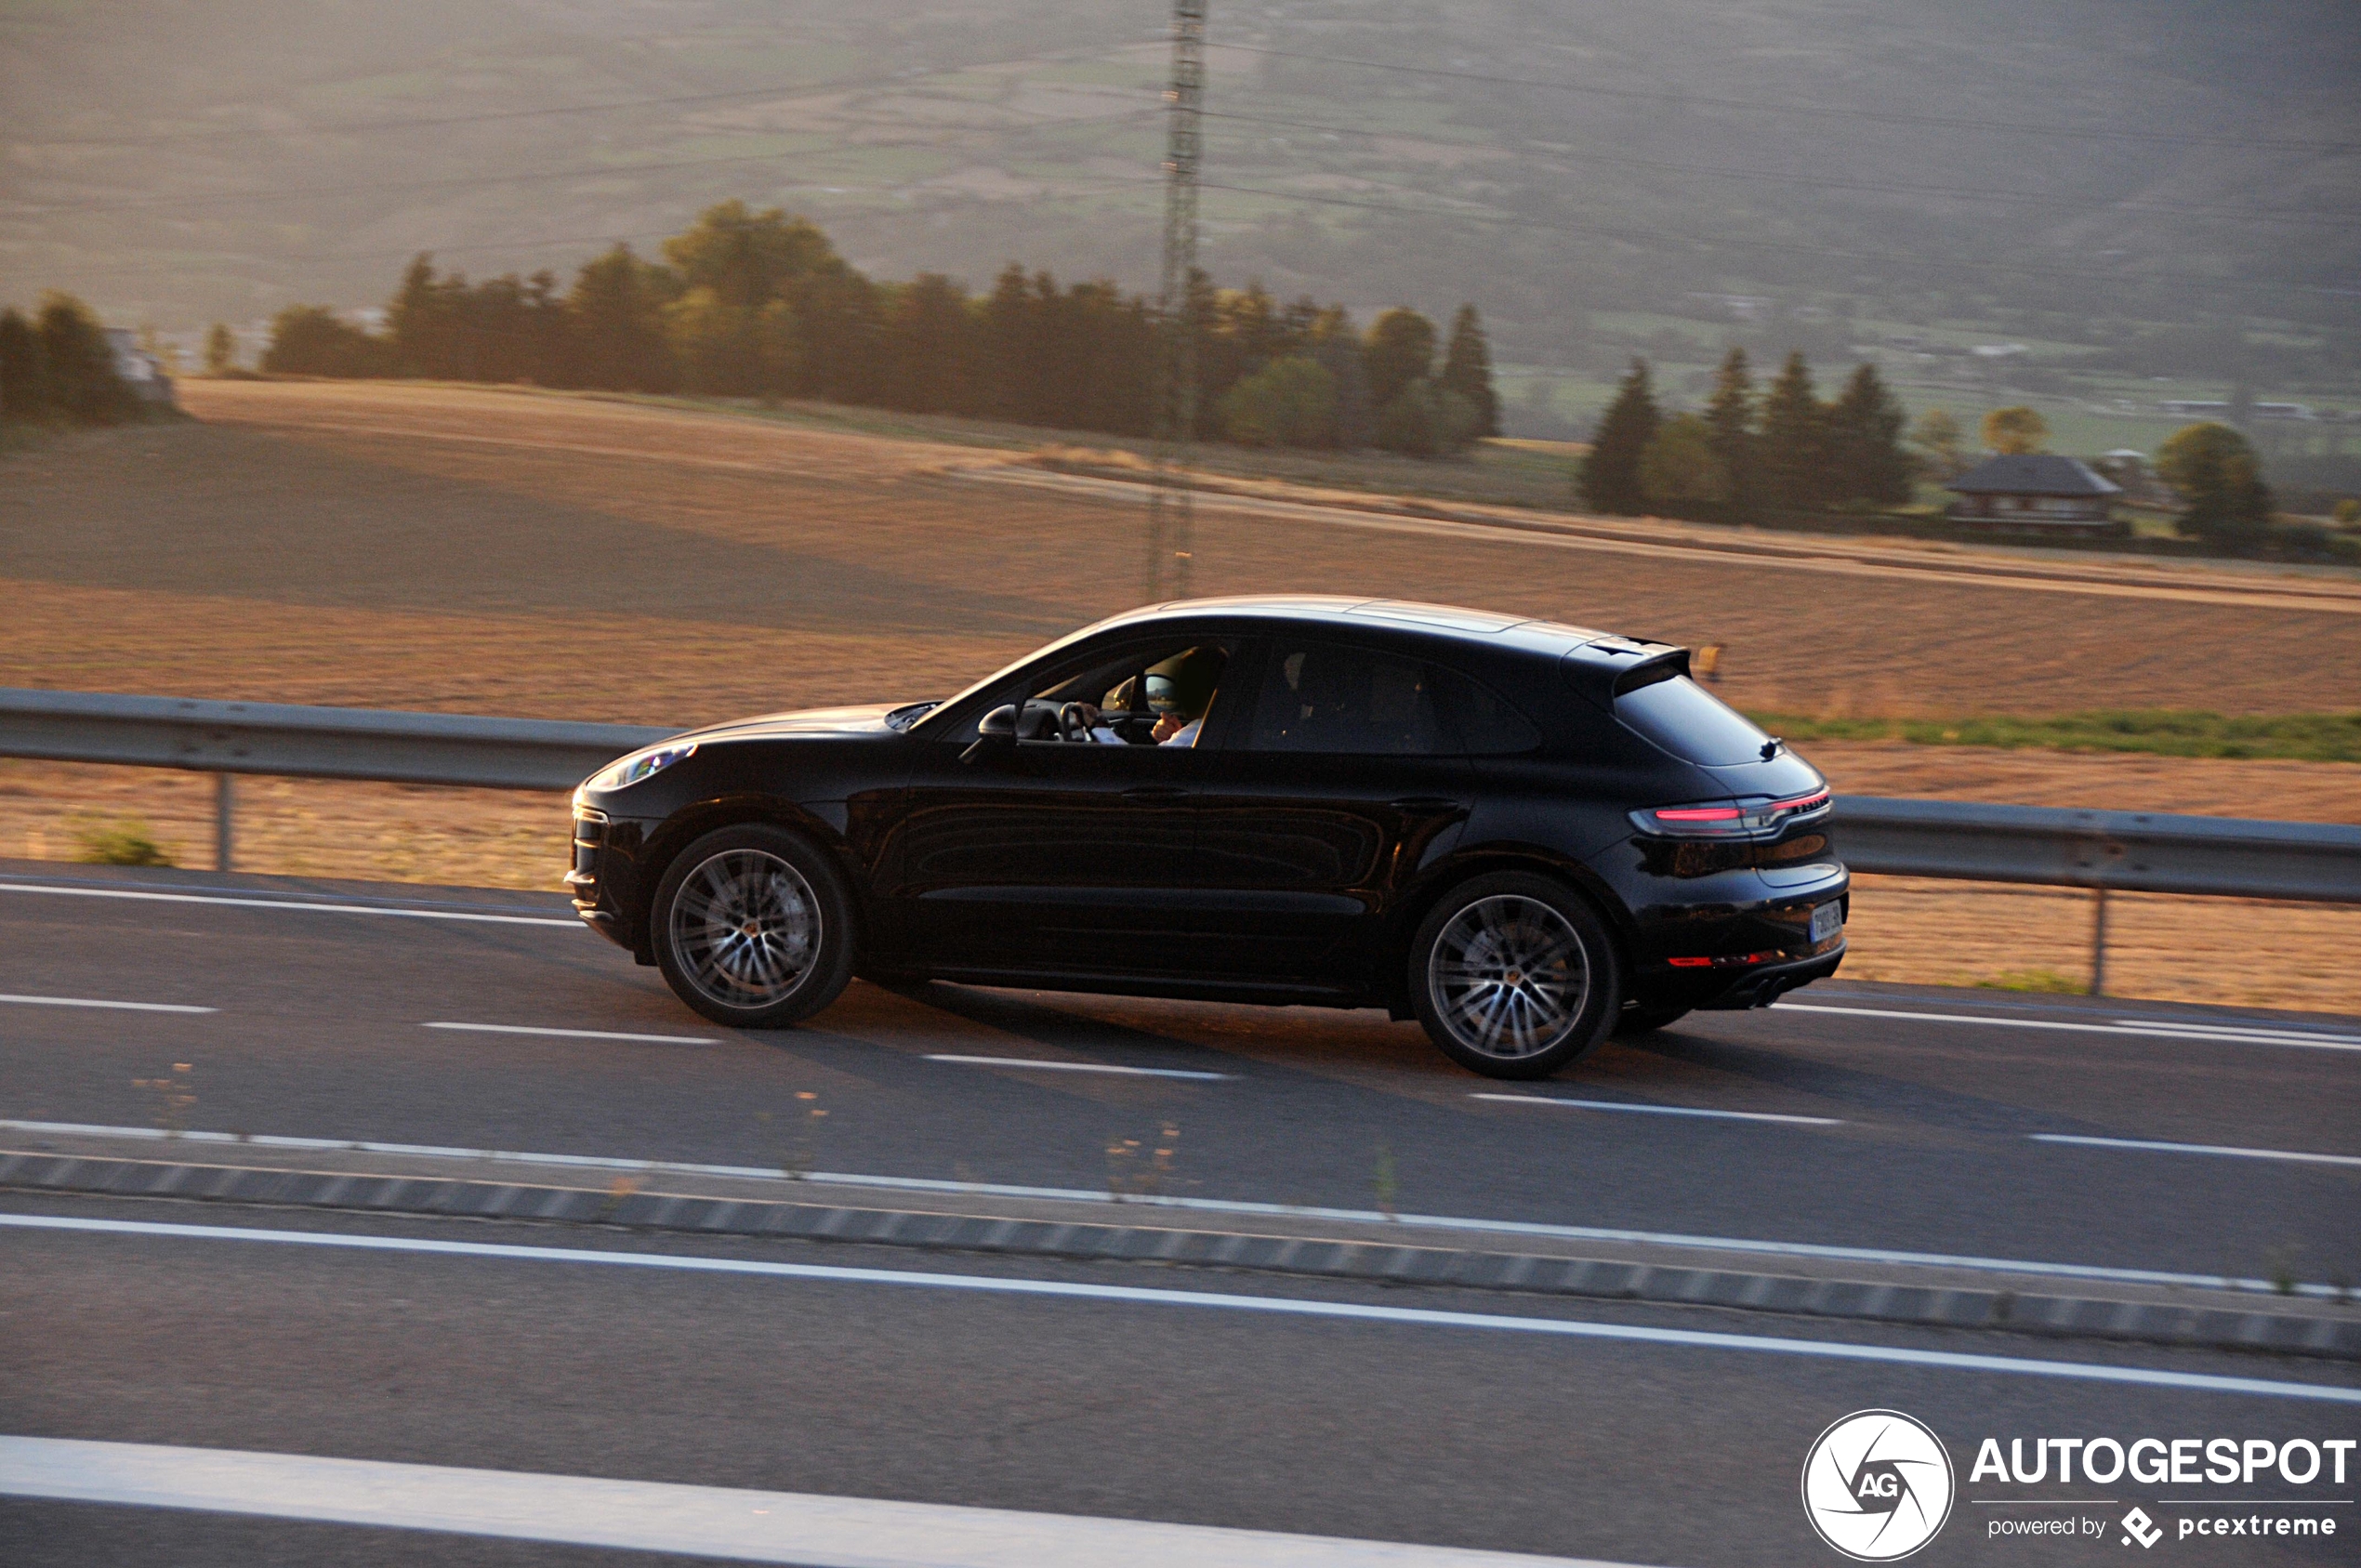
(995, 730)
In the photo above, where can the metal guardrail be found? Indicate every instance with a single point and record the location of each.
(227, 739)
(318, 742)
(2104, 851)
(2124, 851)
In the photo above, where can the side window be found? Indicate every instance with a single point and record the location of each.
(1158, 694)
(1486, 725)
(1355, 700)
(1325, 697)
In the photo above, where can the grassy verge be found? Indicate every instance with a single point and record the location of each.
(2304, 737)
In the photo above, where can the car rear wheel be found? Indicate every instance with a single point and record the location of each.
(753, 927)
(1514, 976)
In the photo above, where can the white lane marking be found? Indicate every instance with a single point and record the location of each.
(1196, 1205)
(740, 1525)
(2242, 1030)
(2196, 1148)
(91, 1002)
(1659, 1110)
(2227, 1034)
(1283, 1306)
(289, 903)
(1076, 1067)
(575, 1034)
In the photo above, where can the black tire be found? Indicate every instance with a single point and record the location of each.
(753, 927)
(1482, 1007)
(1639, 1019)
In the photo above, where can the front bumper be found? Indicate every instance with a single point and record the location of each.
(603, 878)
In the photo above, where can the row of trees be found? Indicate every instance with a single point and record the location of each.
(57, 369)
(1750, 452)
(760, 304)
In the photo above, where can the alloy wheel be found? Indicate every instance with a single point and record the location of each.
(1510, 976)
(745, 928)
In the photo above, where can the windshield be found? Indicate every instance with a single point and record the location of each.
(1690, 722)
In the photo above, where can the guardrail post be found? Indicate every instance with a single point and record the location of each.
(225, 811)
(2099, 941)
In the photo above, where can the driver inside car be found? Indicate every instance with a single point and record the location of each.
(1179, 693)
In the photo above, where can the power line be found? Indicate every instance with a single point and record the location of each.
(1882, 116)
(586, 171)
(2282, 215)
(358, 127)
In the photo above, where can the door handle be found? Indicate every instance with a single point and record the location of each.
(1155, 792)
(1427, 803)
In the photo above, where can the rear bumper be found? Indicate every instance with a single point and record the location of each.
(1745, 952)
(1762, 984)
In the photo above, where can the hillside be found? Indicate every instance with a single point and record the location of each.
(2163, 190)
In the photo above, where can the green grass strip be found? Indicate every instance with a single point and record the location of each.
(2303, 737)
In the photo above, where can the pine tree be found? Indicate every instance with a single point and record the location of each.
(1006, 370)
(421, 323)
(1466, 370)
(1792, 463)
(220, 350)
(1610, 478)
(929, 347)
(1865, 432)
(1729, 418)
(1400, 351)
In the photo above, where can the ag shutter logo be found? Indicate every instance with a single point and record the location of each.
(1878, 1485)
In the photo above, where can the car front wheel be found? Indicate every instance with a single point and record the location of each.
(1514, 976)
(753, 927)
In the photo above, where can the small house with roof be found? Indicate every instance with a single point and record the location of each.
(2033, 490)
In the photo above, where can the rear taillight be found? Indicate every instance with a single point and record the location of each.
(1728, 819)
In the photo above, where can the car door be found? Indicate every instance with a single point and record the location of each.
(1348, 778)
(1053, 856)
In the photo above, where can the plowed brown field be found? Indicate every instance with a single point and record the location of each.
(501, 552)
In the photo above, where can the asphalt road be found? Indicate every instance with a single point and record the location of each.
(1915, 1124)
(1403, 1431)
(1922, 1133)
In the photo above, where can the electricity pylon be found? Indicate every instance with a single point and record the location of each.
(1172, 515)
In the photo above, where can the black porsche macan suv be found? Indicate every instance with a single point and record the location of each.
(1525, 835)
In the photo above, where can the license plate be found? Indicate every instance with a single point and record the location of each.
(1826, 921)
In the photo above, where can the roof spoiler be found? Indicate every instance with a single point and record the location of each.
(1604, 667)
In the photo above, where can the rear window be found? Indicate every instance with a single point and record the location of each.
(1691, 723)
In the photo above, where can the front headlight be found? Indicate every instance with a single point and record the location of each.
(640, 765)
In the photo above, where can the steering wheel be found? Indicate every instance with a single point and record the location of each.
(1073, 723)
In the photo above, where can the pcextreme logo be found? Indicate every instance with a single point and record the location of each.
(1878, 1485)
